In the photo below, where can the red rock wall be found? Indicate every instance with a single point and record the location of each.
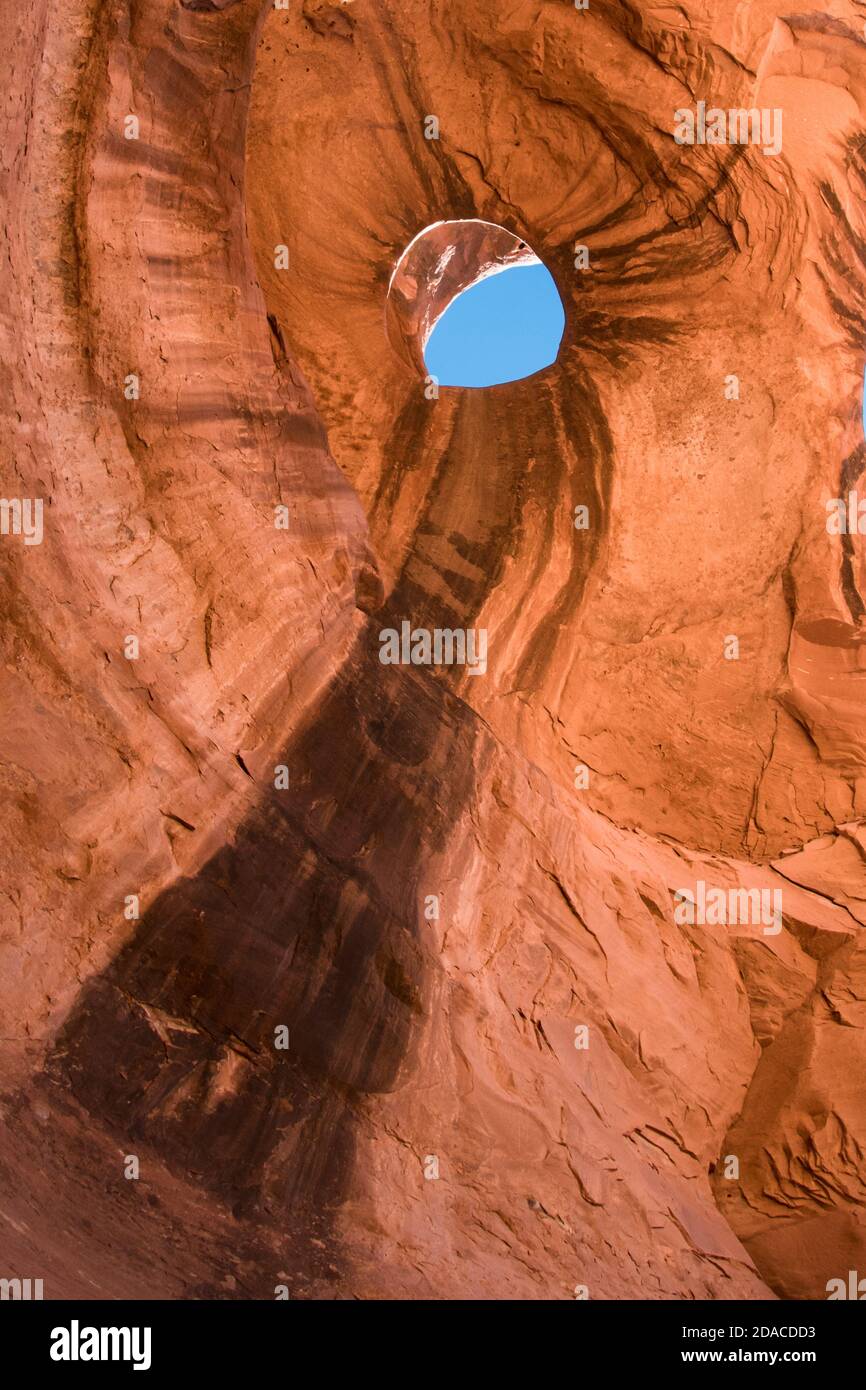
(415, 1038)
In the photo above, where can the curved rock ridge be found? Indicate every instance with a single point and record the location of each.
(533, 975)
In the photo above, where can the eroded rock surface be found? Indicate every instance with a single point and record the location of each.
(515, 1068)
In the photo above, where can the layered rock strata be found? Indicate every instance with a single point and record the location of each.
(516, 1066)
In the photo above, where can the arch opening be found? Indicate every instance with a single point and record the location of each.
(471, 305)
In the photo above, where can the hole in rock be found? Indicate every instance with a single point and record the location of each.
(472, 305)
(502, 328)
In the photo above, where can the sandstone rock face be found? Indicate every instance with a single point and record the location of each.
(520, 1063)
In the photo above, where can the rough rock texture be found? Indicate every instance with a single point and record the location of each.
(155, 261)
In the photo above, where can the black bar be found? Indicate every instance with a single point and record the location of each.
(226, 1339)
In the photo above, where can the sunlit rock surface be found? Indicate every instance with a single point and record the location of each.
(515, 1068)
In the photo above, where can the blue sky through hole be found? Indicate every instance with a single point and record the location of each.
(500, 329)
